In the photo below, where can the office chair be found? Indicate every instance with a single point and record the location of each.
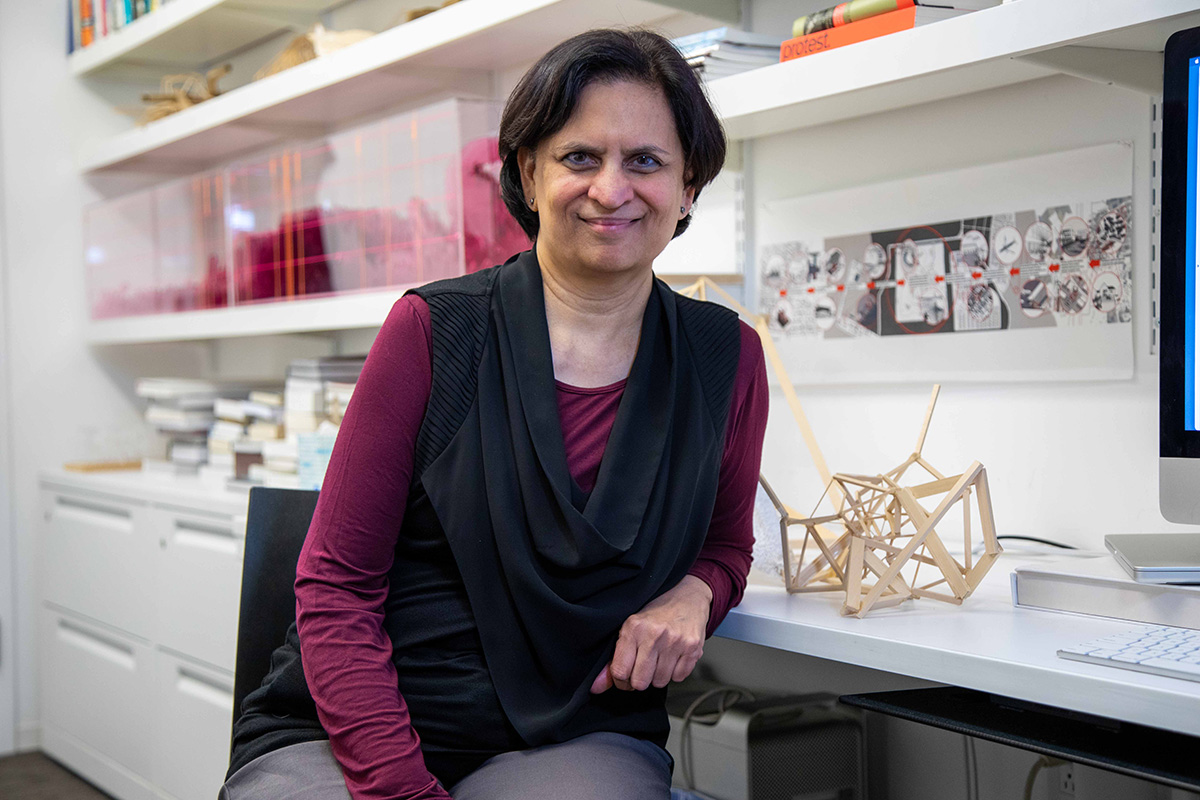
(276, 524)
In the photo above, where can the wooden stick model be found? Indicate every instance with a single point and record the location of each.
(877, 528)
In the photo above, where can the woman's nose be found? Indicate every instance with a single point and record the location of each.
(611, 187)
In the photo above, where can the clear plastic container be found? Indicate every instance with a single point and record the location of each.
(158, 250)
(398, 202)
(190, 226)
(406, 200)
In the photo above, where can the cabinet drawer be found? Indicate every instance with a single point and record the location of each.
(195, 712)
(97, 559)
(97, 686)
(199, 575)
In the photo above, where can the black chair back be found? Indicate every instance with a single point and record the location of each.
(276, 524)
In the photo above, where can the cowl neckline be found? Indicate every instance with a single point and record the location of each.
(606, 524)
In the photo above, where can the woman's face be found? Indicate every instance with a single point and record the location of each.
(608, 187)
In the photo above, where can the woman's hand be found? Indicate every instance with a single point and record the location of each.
(662, 642)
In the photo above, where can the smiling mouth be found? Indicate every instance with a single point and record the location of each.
(607, 224)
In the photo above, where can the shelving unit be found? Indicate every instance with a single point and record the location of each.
(185, 33)
(346, 312)
(460, 48)
(1108, 40)
(453, 50)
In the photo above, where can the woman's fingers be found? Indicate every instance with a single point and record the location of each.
(603, 681)
(624, 659)
(662, 642)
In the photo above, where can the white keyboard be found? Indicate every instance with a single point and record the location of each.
(1163, 650)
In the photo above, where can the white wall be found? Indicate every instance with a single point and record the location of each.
(8, 674)
(56, 387)
(1068, 461)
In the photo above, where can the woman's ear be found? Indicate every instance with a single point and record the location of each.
(525, 162)
(689, 197)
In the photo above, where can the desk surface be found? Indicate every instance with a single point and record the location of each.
(986, 644)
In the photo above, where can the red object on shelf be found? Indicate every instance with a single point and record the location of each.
(860, 31)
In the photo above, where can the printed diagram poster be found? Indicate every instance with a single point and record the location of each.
(1037, 290)
(1065, 265)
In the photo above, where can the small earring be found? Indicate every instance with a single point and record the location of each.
(682, 210)
(531, 201)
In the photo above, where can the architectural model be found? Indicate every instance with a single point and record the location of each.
(878, 531)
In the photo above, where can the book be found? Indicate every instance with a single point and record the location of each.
(226, 431)
(856, 10)
(727, 51)
(267, 398)
(191, 453)
(178, 419)
(861, 31)
(73, 26)
(304, 395)
(727, 35)
(87, 23)
(339, 368)
(264, 431)
(229, 409)
(169, 388)
(1098, 586)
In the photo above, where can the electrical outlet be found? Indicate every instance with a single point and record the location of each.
(1066, 780)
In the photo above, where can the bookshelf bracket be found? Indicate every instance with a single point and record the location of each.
(1138, 70)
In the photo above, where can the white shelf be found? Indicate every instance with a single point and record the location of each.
(1111, 40)
(1104, 39)
(985, 644)
(367, 310)
(185, 34)
(453, 50)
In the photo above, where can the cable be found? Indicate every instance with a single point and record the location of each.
(729, 696)
(1038, 766)
(1039, 541)
(972, 766)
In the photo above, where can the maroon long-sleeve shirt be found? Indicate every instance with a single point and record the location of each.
(341, 579)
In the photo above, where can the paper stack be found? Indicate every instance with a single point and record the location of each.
(181, 410)
(728, 51)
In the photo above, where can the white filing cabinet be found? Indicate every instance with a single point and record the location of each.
(141, 578)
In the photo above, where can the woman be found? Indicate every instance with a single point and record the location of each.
(540, 499)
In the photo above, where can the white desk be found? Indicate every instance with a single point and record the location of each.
(985, 644)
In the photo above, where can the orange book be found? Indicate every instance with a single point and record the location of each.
(869, 28)
(87, 23)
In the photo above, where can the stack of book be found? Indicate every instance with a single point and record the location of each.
(305, 406)
(279, 463)
(727, 51)
(89, 21)
(858, 20)
(182, 411)
(242, 426)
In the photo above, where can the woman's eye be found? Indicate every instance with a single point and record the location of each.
(578, 159)
(646, 161)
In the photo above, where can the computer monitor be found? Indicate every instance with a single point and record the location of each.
(1179, 301)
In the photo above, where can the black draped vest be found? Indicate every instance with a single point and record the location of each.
(509, 583)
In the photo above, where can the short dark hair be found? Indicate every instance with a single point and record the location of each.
(547, 94)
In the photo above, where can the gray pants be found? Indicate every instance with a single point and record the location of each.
(598, 766)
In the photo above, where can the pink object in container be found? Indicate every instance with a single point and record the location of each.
(399, 202)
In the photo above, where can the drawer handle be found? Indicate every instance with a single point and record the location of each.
(206, 537)
(95, 513)
(210, 690)
(113, 651)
